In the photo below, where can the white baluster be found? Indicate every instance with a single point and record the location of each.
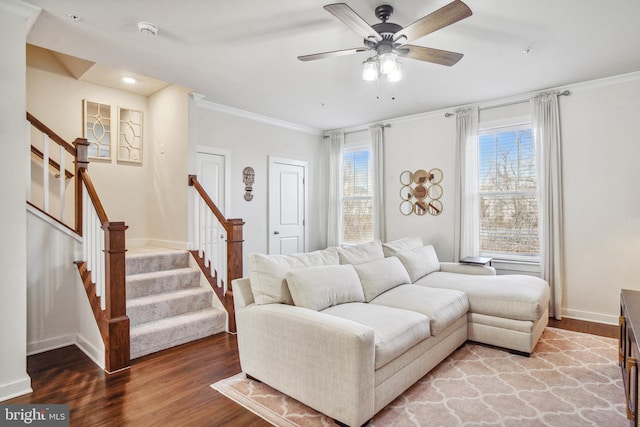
(101, 272)
(201, 228)
(62, 182)
(45, 171)
(28, 157)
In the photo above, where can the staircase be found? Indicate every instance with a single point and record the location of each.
(165, 303)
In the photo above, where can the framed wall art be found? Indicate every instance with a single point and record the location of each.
(130, 124)
(97, 129)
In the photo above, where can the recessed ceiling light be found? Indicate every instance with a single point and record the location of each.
(129, 80)
(74, 17)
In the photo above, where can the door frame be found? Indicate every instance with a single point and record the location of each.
(305, 186)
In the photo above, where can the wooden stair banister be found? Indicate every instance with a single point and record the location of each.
(234, 248)
(108, 300)
(113, 321)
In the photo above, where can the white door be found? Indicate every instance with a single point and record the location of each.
(287, 206)
(212, 174)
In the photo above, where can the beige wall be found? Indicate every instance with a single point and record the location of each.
(167, 154)
(56, 100)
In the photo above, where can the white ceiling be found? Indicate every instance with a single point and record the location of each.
(243, 53)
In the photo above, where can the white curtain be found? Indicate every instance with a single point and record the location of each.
(377, 171)
(466, 240)
(546, 128)
(334, 215)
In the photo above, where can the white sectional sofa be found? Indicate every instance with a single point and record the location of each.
(347, 330)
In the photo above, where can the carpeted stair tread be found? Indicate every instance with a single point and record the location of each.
(156, 260)
(161, 334)
(143, 284)
(155, 307)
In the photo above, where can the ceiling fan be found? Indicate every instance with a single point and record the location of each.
(390, 40)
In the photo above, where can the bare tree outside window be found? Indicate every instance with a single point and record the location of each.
(508, 205)
(357, 195)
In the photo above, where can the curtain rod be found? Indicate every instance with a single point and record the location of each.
(386, 125)
(565, 93)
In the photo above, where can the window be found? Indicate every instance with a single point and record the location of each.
(507, 199)
(357, 195)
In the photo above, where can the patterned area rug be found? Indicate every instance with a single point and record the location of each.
(571, 379)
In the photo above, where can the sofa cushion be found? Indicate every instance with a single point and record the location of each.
(395, 330)
(513, 296)
(442, 306)
(379, 276)
(419, 261)
(323, 286)
(401, 245)
(360, 253)
(267, 273)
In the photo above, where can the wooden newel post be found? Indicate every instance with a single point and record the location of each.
(234, 265)
(117, 348)
(82, 162)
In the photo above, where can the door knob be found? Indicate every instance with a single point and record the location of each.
(276, 232)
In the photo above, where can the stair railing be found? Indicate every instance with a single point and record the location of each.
(51, 150)
(221, 263)
(102, 268)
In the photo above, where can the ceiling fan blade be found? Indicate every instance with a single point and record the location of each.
(447, 15)
(323, 55)
(437, 56)
(352, 20)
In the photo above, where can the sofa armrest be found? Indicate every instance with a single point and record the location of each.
(321, 360)
(456, 267)
(242, 295)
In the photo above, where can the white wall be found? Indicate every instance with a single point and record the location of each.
(14, 379)
(58, 310)
(601, 200)
(251, 142)
(601, 158)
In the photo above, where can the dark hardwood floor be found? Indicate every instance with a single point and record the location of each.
(169, 388)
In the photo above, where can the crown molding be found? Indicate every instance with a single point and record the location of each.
(210, 105)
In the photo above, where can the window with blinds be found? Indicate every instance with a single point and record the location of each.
(507, 184)
(357, 195)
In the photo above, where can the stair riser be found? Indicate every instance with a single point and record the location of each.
(151, 341)
(166, 308)
(149, 263)
(169, 282)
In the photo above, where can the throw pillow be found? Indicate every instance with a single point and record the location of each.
(361, 252)
(419, 262)
(401, 245)
(267, 273)
(380, 276)
(324, 286)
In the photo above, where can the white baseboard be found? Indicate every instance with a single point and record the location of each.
(15, 389)
(50, 344)
(182, 246)
(607, 319)
(93, 353)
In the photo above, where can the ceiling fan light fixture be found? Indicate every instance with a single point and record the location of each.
(370, 70)
(395, 75)
(388, 63)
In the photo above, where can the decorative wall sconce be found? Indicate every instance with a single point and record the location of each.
(421, 192)
(248, 177)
